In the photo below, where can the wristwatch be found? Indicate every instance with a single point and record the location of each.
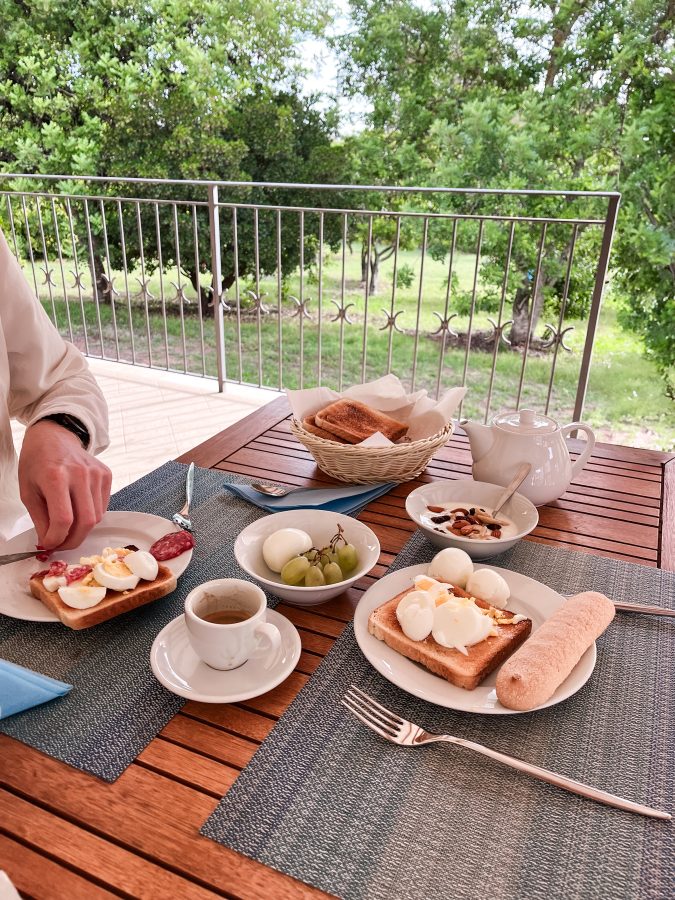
(65, 420)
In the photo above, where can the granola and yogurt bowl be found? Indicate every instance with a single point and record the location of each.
(459, 514)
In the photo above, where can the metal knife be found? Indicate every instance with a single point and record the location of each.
(647, 610)
(15, 557)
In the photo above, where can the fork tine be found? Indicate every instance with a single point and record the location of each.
(375, 726)
(371, 711)
(373, 704)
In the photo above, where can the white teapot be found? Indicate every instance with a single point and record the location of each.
(516, 437)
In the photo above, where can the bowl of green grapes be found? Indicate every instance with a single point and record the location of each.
(306, 556)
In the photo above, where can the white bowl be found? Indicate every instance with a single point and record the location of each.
(321, 526)
(477, 493)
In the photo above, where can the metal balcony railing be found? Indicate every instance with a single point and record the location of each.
(294, 285)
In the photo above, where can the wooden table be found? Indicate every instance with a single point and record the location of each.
(65, 834)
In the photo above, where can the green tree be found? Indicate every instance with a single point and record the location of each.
(165, 89)
(556, 94)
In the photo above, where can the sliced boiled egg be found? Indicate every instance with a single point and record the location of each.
(54, 582)
(142, 564)
(81, 596)
(113, 573)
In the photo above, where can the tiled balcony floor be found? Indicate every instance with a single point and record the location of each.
(155, 415)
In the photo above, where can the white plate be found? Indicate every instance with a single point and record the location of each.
(177, 666)
(116, 529)
(528, 596)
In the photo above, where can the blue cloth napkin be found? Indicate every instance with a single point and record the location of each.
(347, 500)
(22, 688)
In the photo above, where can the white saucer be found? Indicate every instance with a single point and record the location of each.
(177, 666)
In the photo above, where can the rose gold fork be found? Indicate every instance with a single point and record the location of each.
(400, 731)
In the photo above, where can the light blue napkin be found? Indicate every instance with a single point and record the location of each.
(22, 688)
(347, 500)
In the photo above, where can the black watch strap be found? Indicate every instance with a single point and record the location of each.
(71, 423)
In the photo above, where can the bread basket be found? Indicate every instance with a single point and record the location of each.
(371, 465)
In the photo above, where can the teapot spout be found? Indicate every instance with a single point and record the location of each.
(480, 438)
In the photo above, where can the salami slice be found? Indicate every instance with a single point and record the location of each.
(76, 573)
(172, 545)
(40, 574)
(57, 567)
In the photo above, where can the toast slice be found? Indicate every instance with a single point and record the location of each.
(309, 424)
(354, 421)
(113, 604)
(463, 671)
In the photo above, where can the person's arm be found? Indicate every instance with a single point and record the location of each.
(63, 486)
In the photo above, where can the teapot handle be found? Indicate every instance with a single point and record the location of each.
(588, 449)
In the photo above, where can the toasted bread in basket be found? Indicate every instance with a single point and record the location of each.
(309, 424)
(463, 671)
(354, 421)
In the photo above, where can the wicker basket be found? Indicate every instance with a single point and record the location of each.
(371, 465)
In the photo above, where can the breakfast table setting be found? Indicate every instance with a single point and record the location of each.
(320, 706)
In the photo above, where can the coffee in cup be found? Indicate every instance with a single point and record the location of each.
(226, 624)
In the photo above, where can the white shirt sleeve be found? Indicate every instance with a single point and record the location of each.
(40, 373)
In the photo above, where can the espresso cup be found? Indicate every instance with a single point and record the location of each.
(226, 625)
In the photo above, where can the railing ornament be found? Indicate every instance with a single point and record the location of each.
(342, 312)
(301, 308)
(222, 300)
(445, 327)
(500, 329)
(181, 296)
(48, 276)
(391, 322)
(78, 284)
(109, 286)
(258, 304)
(557, 337)
(144, 292)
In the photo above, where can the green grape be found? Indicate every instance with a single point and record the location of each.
(314, 577)
(332, 573)
(295, 570)
(347, 557)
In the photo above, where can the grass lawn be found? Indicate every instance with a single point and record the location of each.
(625, 400)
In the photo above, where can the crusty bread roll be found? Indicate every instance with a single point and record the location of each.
(534, 672)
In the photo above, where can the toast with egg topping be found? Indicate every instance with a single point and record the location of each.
(463, 670)
(113, 601)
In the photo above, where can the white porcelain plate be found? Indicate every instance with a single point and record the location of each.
(528, 597)
(177, 666)
(116, 529)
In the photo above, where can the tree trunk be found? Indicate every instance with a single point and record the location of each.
(520, 312)
(364, 263)
(204, 294)
(100, 279)
(374, 273)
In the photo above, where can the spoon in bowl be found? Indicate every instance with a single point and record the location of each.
(521, 474)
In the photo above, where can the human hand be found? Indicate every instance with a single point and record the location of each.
(64, 488)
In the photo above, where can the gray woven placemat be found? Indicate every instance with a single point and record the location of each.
(330, 803)
(117, 706)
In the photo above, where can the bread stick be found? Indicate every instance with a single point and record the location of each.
(534, 672)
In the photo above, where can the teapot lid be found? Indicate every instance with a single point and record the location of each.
(525, 421)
